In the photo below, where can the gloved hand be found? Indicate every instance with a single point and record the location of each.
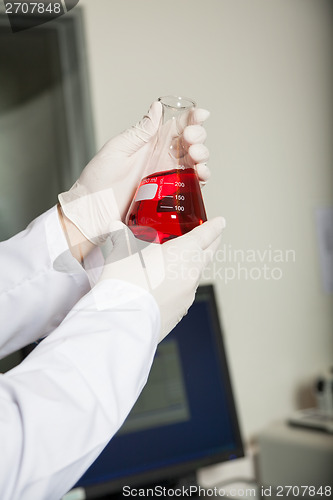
(106, 186)
(170, 272)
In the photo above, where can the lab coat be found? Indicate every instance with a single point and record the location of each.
(63, 403)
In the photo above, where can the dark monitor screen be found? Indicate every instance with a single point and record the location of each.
(185, 417)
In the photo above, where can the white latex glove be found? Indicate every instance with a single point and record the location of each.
(170, 272)
(106, 187)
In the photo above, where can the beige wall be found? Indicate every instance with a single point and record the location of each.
(264, 69)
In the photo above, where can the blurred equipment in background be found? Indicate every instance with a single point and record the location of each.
(321, 417)
(324, 392)
(295, 457)
(299, 452)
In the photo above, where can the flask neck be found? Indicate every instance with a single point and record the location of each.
(170, 151)
(176, 108)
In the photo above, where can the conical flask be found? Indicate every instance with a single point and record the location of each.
(168, 201)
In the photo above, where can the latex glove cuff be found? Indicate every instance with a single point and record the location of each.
(92, 213)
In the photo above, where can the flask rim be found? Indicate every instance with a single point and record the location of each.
(177, 102)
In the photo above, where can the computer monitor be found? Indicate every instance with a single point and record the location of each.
(185, 417)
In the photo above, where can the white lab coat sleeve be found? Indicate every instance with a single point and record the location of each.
(63, 403)
(40, 282)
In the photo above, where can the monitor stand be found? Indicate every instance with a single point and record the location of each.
(186, 486)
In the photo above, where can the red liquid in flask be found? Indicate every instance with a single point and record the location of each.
(167, 204)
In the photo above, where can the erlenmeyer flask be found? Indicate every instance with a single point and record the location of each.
(168, 201)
